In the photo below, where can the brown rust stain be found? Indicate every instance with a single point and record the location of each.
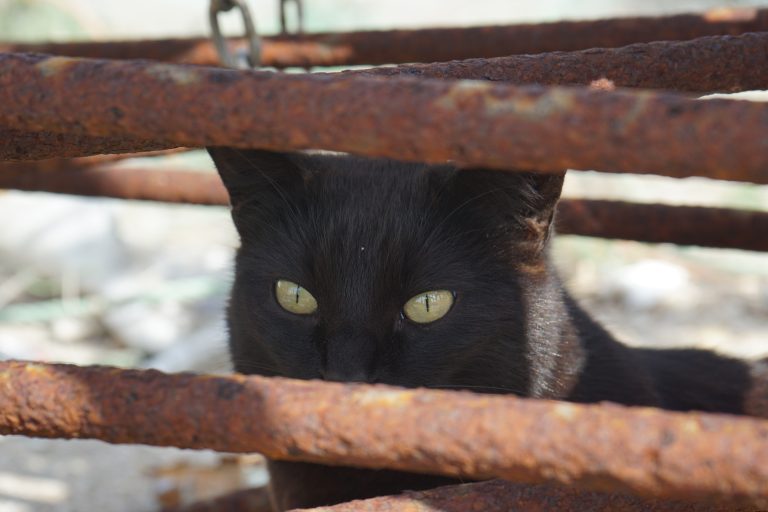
(464, 94)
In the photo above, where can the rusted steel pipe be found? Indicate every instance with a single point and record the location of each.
(427, 45)
(85, 179)
(22, 145)
(502, 496)
(653, 223)
(606, 448)
(705, 65)
(658, 223)
(474, 123)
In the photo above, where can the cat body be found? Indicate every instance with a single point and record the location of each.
(359, 239)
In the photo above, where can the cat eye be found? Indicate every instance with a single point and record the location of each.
(428, 306)
(294, 298)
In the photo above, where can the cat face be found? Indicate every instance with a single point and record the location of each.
(373, 270)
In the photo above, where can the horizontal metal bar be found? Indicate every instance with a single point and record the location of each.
(502, 496)
(606, 447)
(654, 223)
(36, 145)
(81, 177)
(724, 228)
(477, 124)
(705, 65)
(426, 45)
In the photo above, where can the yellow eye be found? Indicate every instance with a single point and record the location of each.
(294, 299)
(429, 306)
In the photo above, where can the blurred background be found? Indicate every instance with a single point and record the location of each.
(133, 284)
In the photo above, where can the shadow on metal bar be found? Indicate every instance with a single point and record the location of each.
(247, 500)
(501, 496)
(492, 496)
(606, 448)
(426, 45)
(652, 223)
(21, 145)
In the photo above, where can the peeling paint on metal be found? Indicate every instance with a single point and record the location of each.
(178, 75)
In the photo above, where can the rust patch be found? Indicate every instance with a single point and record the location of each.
(175, 74)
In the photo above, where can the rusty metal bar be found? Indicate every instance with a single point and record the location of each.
(502, 496)
(24, 145)
(659, 223)
(705, 65)
(427, 45)
(605, 448)
(653, 223)
(474, 123)
(85, 179)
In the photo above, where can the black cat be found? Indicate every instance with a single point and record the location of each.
(373, 270)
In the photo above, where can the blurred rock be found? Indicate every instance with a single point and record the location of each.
(653, 283)
(61, 236)
(150, 327)
(203, 351)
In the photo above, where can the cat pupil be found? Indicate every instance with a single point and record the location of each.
(427, 302)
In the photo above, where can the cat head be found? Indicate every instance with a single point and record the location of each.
(374, 270)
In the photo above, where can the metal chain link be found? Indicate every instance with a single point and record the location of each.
(299, 16)
(253, 55)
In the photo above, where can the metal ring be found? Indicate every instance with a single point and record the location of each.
(299, 14)
(222, 47)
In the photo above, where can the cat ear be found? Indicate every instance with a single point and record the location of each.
(521, 203)
(254, 176)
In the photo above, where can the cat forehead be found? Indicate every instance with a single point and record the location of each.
(355, 189)
(377, 176)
